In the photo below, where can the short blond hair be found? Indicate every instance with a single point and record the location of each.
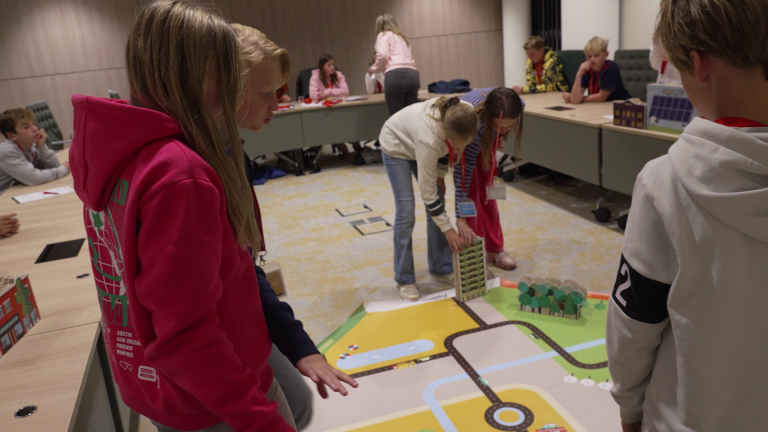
(534, 42)
(596, 44)
(257, 47)
(734, 31)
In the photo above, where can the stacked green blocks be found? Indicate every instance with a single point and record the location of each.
(469, 271)
(551, 297)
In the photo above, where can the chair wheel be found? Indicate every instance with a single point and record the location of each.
(298, 172)
(602, 214)
(316, 169)
(508, 176)
(622, 221)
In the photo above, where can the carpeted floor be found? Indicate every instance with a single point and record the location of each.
(329, 268)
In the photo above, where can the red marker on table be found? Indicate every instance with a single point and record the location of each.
(50, 193)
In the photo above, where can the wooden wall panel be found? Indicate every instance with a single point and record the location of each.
(53, 48)
(45, 37)
(428, 18)
(470, 30)
(486, 68)
(58, 91)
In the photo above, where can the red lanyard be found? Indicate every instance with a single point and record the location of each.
(663, 67)
(330, 85)
(463, 164)
(596, 88)
(25, 155)
(738, 122)
(540, 70)
(492, 160)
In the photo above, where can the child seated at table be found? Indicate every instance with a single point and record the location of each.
(544, 72)
(326, 81)
(600, 76)
(24, 156)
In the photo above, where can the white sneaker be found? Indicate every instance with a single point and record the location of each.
(489, 274)
(447, 278)
(409, 292)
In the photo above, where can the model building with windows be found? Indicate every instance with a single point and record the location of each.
(469, 271)
(18, 310)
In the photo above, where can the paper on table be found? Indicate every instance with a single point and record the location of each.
(21, 199)
(356, 98)
(609, 117)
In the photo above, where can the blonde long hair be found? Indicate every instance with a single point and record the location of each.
(172, 47)
(385, 23)
(458, 119)
(257, 47)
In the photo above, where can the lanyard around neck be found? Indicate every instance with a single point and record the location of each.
(596, 88)
(738, 122)
(540, 70)
(25, 154)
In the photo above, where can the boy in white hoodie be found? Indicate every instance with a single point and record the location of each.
(685, 321)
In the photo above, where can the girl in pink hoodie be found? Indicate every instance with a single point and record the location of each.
(169, 216)
(326, 81)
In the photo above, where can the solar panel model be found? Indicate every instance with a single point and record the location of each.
(669, 109)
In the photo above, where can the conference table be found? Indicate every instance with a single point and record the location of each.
(303, 126)
(577, 140)
(564, 137)
(60, 366)
(627, 150)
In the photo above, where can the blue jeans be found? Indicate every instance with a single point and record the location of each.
(439, 254)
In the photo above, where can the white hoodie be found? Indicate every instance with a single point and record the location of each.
(413, 134)
(685, 324)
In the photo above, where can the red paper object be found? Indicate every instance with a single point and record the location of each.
(18, 310)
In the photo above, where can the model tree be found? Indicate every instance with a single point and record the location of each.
(22, 297)
(551, 296)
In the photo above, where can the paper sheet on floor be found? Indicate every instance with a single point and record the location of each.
(21, 199)
(388, 305)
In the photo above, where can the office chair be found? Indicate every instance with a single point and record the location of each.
(45, 120)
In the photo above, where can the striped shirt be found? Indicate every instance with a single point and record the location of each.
(473, 151)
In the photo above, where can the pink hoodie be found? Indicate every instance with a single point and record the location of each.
(392, 52)
(182, 317)
(315, 86)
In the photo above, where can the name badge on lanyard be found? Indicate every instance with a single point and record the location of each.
(466, 206)
(495, 190)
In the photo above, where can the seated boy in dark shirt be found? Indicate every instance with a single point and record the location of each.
(600, 76)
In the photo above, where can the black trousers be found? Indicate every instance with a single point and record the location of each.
(401, 88)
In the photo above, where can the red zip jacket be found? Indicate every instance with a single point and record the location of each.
(182, 317)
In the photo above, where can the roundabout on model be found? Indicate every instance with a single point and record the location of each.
(493, 416)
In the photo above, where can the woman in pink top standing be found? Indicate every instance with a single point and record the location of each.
(393, 56)
(326, 81)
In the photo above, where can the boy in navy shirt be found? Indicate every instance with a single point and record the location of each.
(600, 76)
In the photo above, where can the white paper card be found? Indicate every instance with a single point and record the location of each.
(21, 199)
